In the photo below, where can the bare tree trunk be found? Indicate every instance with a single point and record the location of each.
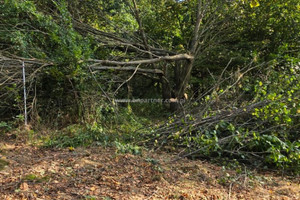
(129, 91)
(183, 78)
(184, 69)
(165, 86)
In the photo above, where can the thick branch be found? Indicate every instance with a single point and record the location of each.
(152, 71)
(147, 61)
(137, 16)
(117, 40)
(195, 41)
(193, 49)
(15, 61)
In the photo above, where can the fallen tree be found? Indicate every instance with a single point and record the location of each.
(262, 131)
(139, 47)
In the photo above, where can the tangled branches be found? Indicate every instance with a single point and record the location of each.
(263, 130)
(11, 84)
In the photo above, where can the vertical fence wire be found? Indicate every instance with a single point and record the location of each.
(25, 96)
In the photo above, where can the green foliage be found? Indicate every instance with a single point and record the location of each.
(129, 127)
(269, 27)
(127, 148)
(4, 127)
(249, 146)
(30, 32)
(74, 136)
(3, 163)
(107, 127)
(255, 34)
(282, 89)
(156, 165)
(90, 197)
(152, 161)
(35, 178)
(267, 136)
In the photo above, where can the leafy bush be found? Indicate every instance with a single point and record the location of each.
(260, 128)
(127, 148)
(106, 127)
(4, 126)
(76, 135)
(30, 32)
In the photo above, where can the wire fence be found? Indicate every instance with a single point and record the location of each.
(13, 79)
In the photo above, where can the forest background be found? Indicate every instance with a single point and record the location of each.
(227, 73)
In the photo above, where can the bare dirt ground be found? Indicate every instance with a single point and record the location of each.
(100, 173)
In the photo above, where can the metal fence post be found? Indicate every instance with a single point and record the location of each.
(25, 95)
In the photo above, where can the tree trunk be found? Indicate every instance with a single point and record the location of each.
(165, 87)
